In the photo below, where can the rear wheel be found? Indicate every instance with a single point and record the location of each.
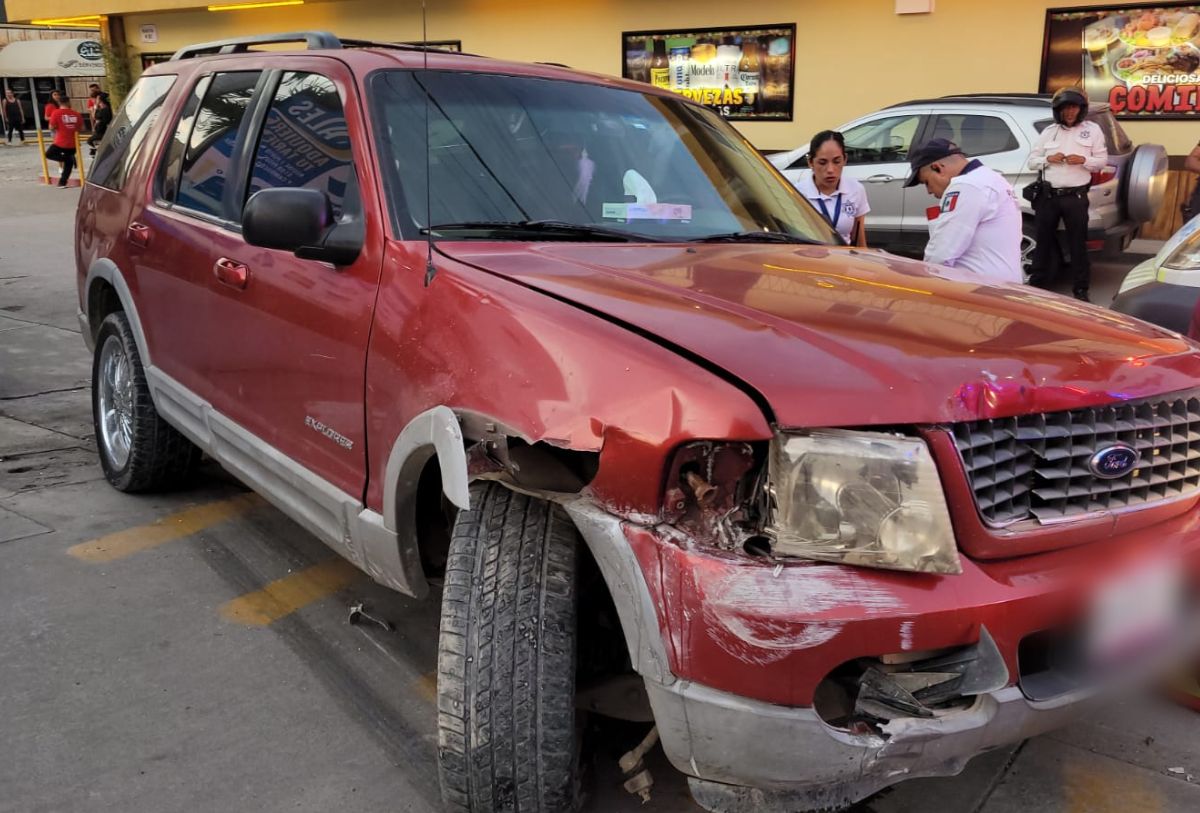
(507, 737)
(139, 451)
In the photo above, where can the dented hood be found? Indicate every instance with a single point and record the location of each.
(840, 337)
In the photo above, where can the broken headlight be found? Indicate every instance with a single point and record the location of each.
(860, 498)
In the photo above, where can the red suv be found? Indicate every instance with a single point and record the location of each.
(567, 348)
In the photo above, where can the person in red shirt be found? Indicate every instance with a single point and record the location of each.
(56, 98)
(65, 123)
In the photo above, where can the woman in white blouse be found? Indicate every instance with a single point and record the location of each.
(842, 201)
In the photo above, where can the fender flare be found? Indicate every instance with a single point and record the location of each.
(106, 270)
(433, 433)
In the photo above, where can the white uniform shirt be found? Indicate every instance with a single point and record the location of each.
(841, 208)
(979, 226)
(1085, 138)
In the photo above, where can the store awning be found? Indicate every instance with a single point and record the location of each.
(52, 58)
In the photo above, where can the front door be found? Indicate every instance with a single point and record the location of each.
(287, 357)
(877, 155)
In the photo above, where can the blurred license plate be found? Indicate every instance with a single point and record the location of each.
(1135, 613)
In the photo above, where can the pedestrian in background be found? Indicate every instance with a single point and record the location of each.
(56, 98)
(842, 201)
(1066, 153)
(102, 116)
(978, 225)
(93, 93)
(65, 123)
(14, 117)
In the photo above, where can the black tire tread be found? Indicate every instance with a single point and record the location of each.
(160, 458)
(506, 658)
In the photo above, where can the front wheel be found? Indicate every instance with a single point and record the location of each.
(139, 451)
(506, 658)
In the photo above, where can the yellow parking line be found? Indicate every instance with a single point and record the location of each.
(426, 686)
(286, 595)
(173, 526)
(1092, 786)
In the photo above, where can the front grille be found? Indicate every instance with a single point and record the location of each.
(1037, 466)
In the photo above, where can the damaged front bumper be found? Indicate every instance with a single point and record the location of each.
(735, 656)
(742, 754)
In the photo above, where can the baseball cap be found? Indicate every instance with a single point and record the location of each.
(932, 150)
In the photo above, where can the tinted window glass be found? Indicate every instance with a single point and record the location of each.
(133, 123)
(976, 135)
(510, 150)
(304, 141)
(1114, 134)
(882, 141)
(209, 154)
(168, 173)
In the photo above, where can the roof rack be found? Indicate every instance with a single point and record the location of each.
(313, 41)
(993, 98)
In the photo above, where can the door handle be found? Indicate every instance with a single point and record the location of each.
(231, 273)
(879, 179)
(138, 234)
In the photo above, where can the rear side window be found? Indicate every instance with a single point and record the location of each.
(305, 142)
(1114, 133)
(975, 134)
(125, 135)
(209, 154)
(167, 183)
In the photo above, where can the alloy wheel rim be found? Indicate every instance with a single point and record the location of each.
(115, 403)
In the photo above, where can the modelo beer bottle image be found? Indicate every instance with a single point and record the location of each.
(660, 70)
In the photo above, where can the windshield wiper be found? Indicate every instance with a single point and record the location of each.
(758, 237)
(545, 227)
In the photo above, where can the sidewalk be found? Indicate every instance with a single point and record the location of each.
(23, 165)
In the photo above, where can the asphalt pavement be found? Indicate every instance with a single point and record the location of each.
(191, 651)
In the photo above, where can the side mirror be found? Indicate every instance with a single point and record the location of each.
(301, 221)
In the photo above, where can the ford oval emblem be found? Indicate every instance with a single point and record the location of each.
(1114, 461)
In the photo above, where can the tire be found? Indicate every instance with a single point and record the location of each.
(139, 451)
(507, 735)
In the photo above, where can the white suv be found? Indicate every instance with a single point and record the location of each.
(1000, 131)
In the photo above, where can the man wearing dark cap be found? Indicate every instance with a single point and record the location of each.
(978, 225)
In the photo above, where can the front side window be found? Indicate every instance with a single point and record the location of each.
(304, 140)
(882, 141)
(125, 135)
(516, 151)
(209, 155)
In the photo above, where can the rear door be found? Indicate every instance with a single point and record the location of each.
(172, 233)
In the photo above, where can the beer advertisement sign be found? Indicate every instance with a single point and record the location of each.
(745, 74)
(1143, 60)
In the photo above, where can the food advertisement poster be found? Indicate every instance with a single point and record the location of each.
(1143, 60)
(745, 74)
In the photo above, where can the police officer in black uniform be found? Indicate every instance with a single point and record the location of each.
(1067, 152)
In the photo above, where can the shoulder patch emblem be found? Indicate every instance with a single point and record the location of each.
(949, 201)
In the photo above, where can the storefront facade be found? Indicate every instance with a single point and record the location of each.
(850, 58)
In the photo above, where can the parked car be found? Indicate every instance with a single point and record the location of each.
(566, 350)
(999, 130)
(1165, 288)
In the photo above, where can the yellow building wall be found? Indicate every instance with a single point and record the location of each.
(853, 56)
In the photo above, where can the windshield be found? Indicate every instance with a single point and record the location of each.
(518, 150)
